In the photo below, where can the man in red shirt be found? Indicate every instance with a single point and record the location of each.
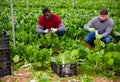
(49, 22)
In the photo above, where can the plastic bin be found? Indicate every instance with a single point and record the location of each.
(64, 70)
(5, 63)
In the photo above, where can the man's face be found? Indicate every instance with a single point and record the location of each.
(47, 15)
(103, 17)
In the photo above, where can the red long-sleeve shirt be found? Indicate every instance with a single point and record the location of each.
(54, 22)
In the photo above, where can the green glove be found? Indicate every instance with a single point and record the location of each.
(98, 36)
(91, 29)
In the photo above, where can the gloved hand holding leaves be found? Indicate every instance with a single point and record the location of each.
(98, 35)
(46, 31)
(53, 30)
(91, 29)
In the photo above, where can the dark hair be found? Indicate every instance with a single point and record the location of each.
(45, 10)
(104, 12)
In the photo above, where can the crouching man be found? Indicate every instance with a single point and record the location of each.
(103, 24)
(49, 22)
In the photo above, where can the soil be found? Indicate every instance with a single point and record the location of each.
(19, 76)
(24, 76)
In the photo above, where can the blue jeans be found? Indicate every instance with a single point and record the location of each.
(91, 37)
(60, 33)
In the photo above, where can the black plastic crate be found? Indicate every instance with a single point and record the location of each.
(64, 70)
(4, 55)
(5, 63)
(4, 40)
(5, 69)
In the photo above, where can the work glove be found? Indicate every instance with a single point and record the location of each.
(53, 30)
(98, 35)
(46, 31)
(91, 29)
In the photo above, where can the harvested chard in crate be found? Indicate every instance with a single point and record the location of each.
(64, 70)
(65, 63)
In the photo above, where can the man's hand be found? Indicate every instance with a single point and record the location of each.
(46, 31)
(91, 29)
(98, 36)
(53, 30)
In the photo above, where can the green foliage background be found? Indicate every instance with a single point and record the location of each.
(74, 15)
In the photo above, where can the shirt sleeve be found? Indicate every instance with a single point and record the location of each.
(108, 29)
(39, 29)
(61, 27)
(40, 21)
(58, 21)
(90, 24)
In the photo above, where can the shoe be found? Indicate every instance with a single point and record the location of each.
(89, 45)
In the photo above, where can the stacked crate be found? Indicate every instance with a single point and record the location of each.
(5, 64)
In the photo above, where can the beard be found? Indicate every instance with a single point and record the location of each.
(103, 20)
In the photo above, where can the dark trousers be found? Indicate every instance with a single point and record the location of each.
(91, 37)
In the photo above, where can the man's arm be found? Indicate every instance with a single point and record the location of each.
(61, 27)
(39, 29)
(109, 29)
(90, 24)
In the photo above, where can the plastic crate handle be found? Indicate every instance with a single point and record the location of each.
(5, 33)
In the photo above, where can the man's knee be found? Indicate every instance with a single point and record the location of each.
(90, 37)
(87, 38)
(60, 33)
(106, 39)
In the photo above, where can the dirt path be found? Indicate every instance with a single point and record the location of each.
(20, 76)
(24, 76)
(105, 80)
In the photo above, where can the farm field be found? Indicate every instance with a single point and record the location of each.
(32, 57)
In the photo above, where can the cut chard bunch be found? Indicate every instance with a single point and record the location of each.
(98, 43)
